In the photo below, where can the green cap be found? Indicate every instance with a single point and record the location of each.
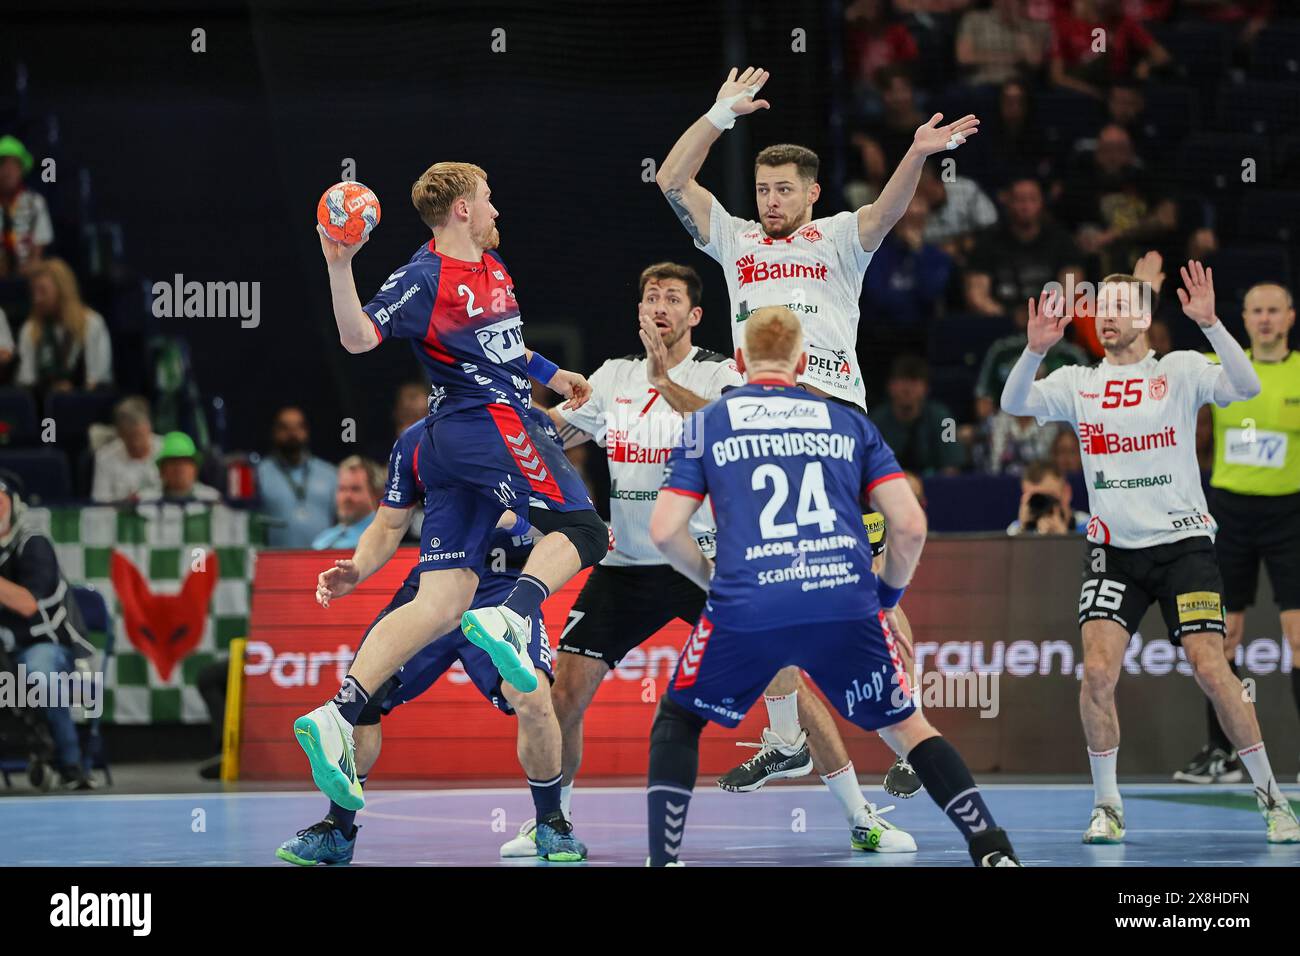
(177, 445)
(13, 146)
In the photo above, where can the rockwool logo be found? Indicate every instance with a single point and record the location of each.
(749, 271)
(74, 908)
(1097, 441)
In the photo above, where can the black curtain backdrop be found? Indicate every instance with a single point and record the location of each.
(213, 162)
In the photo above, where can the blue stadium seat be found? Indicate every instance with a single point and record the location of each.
(1213, 161)
(75, 412)
(1237, 268)
(1064, 116)
(44, 472)
(1199, 49)
(1255, 106)
(18, 424)
(971, 502)
(1276, 52)
(1172, 111)
(962, 338)
(1269, 214)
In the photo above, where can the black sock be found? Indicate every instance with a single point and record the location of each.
(527, 597)
(351, 699)
(546, 796)
(674, 763)
(344, 819)
(949, 784)
(1295, 683)
(1217, 737)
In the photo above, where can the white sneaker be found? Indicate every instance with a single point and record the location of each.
(523, 845)
(872, 833)
(1106, 825)
(326, 739)
(505, 636)
(1282, 824)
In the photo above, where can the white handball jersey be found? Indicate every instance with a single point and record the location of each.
(816, 271)
(638, 429)
(1137, 431)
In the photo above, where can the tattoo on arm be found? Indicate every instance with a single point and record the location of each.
(572, 435)
(675, 199)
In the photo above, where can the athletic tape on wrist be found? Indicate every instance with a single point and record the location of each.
(720, 113)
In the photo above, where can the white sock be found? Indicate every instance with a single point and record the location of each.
(566, 798)
(1261, 774)
(783, 715)
(1105, 786)
(843, 783)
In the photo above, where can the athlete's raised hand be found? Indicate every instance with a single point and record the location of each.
(337, 253)
(738, 92)
(656, 353)
(1197, 294)
(336, 581)
(572, 386)
(1148, 269)
(933, 138)
(1047, 321)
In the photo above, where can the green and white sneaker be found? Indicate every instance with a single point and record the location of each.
(522, 846)
(1106, 825)
(326, 739)
(504, 635)
(1282, 824)
(872, 833)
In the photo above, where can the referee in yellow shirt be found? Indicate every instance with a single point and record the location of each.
(1255, 499)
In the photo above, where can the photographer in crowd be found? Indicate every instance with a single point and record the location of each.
(1045, 503)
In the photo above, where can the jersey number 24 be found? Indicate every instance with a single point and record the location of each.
(813, 507)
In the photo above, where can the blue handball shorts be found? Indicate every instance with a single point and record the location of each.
(722, 671)
(433, 660)
(487, 461)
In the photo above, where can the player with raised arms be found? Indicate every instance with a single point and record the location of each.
(786, 472)
(333, 840)
(1150, 536)
(455, 301)
(815, 268)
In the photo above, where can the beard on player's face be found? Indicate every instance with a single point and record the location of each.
(487, 237)
(788, 222)
(1117, 334)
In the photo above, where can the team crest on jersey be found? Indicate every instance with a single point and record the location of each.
(1097, 530)
(1157, 388)
(498, 275)
(811, 233)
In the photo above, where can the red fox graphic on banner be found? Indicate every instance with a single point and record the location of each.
(164, 627)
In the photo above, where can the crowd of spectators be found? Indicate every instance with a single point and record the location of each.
(1074, 175)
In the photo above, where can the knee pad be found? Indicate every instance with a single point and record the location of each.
(675, 724)
(584, 529)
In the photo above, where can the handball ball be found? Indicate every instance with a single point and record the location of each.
(348, 212)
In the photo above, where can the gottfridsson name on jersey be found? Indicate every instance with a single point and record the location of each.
(1137, 435)
(816, 271)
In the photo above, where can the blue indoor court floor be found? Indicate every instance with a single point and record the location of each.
(1168, 825)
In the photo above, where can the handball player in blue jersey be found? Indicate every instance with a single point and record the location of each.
(455, 301)
(333, 839)
(786, 472)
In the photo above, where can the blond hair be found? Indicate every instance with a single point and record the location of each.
(71, 310)
(773, 336)
(375, 476)
(441, 185)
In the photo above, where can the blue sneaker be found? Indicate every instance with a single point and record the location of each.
(556, 842)
(322, 842)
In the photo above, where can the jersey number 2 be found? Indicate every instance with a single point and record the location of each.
(471, 308)
(813, 506)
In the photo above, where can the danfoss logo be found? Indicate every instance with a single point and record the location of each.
(749, 271)
(1097, 441)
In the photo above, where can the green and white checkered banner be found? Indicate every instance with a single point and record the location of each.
(184, 573)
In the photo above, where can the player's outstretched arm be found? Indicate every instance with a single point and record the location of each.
(676, 176)
(670, 530)
(379, 542)
(1047, 322)
(1239, 380)
(569, 433)
(356, 331)
(875, 220)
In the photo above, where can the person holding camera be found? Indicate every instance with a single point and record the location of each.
(1045, 503)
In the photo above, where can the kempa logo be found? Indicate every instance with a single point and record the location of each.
(209, 300)
(40, 690)
(1102, 483)
(74, 908)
